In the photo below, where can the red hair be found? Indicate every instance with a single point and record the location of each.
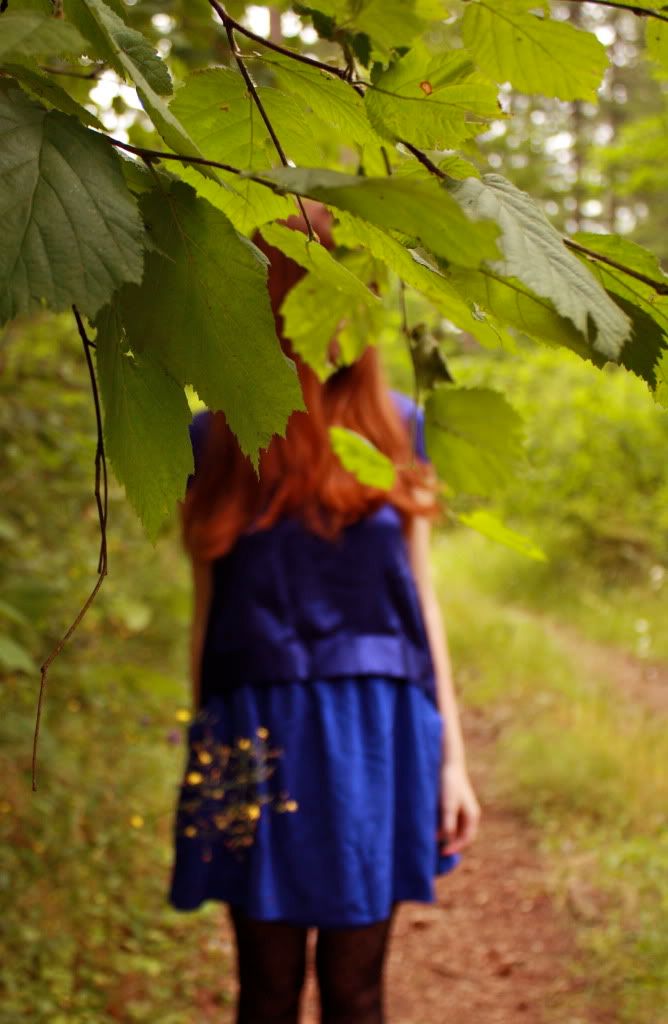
(300, 474)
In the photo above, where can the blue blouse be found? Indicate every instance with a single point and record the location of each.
(290, 605)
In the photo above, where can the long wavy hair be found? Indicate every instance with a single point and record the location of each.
(299, 474)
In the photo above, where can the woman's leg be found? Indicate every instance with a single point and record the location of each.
(271, 963)
(349, 965)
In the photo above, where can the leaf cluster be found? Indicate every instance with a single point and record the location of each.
(152, 242)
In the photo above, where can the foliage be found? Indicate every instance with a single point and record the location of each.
(86, 933)
(342, 120)
(595, 488)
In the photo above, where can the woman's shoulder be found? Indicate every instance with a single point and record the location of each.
(197, 428)
(413, 416)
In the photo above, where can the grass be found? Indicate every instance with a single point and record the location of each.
(576, 757)
(86, 931)
(621, 610)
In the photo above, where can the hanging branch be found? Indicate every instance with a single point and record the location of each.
(660, 287)
(640, 12)
(229, 28)
(151, 156)
(269, 44)
(102, 508)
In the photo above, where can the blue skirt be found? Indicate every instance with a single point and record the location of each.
(311, 802)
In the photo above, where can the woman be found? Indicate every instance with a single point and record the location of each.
(326, 778)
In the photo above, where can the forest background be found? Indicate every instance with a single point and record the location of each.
(551, 542)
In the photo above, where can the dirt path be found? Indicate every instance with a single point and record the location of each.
(644, 680)
(494, 948)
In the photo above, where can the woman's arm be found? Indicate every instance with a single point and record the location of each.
(460, 811)
(202, 576)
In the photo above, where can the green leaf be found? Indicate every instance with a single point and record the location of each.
(71, 230)
(43, 88)
(330, 99)
(311, 319)
(629, 254)
(315, 307)
(218, 112)
(645, 307)
(473, 436)
(31, 34)
(131, 56)
(432, 101)
(128, 51)
(421, 208)
(315, 258)
(534, 253)
(361, 458)
(648, 342)
(146, 418)
(489, 525)
(535, 54)
(213, 326)
(389, 24)
(8, 611)
(657, 41)
(456, 166)
(424, 277)
(314, 313)
(661, 372)
(510, 302)
(14, 657)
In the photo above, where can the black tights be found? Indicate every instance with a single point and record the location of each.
(271, 965)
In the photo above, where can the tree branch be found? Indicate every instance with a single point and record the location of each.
(102, 509)
(271, 45)
(229, 28)
(152, 155)
(660, 287)
(640, 12)
(424, 160)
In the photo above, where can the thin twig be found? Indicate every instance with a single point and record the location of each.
(271, 45)
(424, 160)
(640, 12)
(151, 155)
(229, 29)
(660, 287)
(102, 509)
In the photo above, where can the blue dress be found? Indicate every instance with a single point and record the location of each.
(313, 797)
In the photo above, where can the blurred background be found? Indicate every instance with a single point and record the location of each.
(563, 657)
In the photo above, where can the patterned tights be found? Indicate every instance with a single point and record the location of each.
(271, 965)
